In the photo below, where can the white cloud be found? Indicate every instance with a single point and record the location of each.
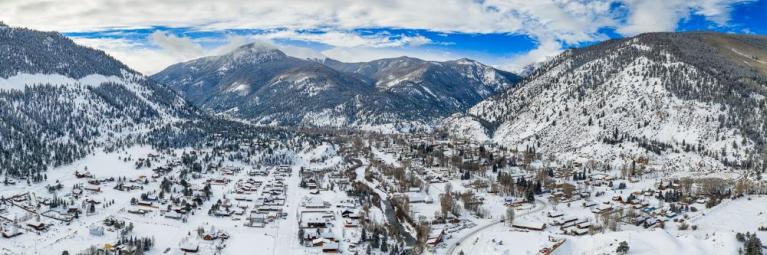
(362, 54)
(546, 49)
(664, 15)
(546, 21)
(348, 39)
(181, 47)
(573, 19)
(144, 59)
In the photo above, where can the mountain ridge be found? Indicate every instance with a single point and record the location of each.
(667, 96)
(395, 94)
(60, 101)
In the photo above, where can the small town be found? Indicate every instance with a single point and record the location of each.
(362, 193)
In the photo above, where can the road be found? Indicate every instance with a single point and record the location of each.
(541, 206)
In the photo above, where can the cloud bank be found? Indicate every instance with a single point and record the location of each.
(338, 26)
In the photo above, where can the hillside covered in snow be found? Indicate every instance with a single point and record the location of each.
(59, 101)
(687, 100)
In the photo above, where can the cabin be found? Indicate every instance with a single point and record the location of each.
(564, 220)
(39, 226)
(315, 202)
(189, 246)
(583, 225)
(435, 236)
(418, 197)
(257, 220)
(173, 215)
(82, 174)
(330, 247)
(529, 225)
(137, 211)
(579, 231)
(10, 232)
(93, 188)
(602, 208)
(145, 203)
(651, 222)
(555, 214)
(351, 214)
(351, 223)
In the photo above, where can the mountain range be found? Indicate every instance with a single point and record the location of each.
(268, 87)
(693, 100)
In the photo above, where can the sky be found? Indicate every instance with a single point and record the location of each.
(149, 35)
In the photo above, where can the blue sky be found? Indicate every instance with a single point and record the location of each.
(149, 35)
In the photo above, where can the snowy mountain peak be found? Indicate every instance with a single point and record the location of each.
(402, 93)
(255, 53)
(257, 48)
(467, 61)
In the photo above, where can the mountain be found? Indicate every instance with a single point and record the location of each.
(692, 100)
(59, 101)
(268, 87)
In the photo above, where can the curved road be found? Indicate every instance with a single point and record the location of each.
(473, 233)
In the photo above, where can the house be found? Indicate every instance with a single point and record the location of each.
(351, 223)
(39, 226)
(651, 222)
(564, 220)
(222, 213)
(191, 246)
(82, 174)
(418, 197)
(330, 247)
(602, 208)
(137, 211)
(318, 241)
(91, 187)
(145, 203)
(640, 220)
(314, 219)
(554, 214)
(11, 231)
(310, 234)
(315, 202)
(435, 236)
(351, 214)
(583, 225)
(579, 231)
(173, 215)
(670, 214)
(209, 237)
(311, 184)
(529, 225)
(257, 220)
